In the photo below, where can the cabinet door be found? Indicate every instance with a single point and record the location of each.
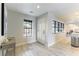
(41, 30)
(38, 31)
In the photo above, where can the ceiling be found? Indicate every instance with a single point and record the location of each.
(64, 11)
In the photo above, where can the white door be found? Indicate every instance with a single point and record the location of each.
(41, 31)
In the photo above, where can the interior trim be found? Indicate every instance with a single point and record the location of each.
(2, 19)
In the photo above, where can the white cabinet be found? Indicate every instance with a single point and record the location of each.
(41, 30)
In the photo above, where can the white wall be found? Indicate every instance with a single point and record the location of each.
(0, 25)
(50, 33)
(0, 19)
(16, 29)
(5, 21)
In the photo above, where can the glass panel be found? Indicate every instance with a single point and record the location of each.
(29, 31)
(27, 25)
(56, 24)
(56, 29)
(25, 32)
(63, 26)
(27, 28)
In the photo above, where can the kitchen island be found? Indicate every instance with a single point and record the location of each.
(75, 39)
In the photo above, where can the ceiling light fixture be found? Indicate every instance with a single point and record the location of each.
(38, 6)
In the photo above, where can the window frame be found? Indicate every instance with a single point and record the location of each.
(30, 21)
(58, 26)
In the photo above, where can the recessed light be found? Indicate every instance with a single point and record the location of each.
(38, 6)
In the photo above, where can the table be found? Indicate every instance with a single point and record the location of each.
(8, 45)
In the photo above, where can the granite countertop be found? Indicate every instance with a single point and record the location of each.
(76, 34)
